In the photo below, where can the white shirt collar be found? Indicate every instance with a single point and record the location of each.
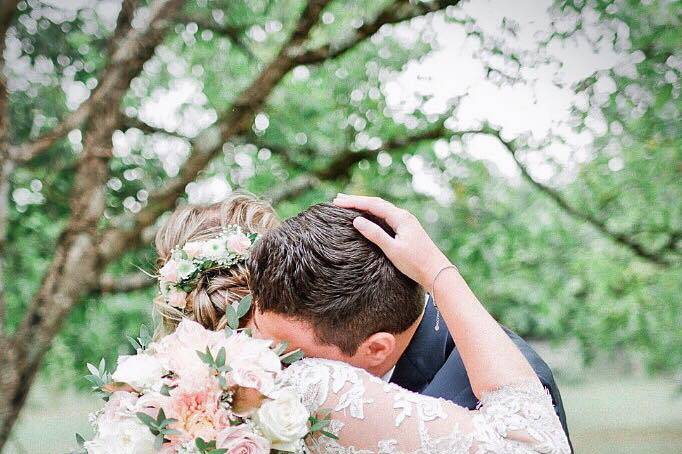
(387, 376)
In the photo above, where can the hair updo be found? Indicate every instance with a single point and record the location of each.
(215, 289)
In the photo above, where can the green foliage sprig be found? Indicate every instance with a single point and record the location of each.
(209, 447)
(99, 377)
(158, 426)
(143, 340)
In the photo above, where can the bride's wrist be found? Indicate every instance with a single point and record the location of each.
(437, 273)
(451, 288)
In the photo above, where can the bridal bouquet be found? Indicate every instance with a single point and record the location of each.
(199, 391)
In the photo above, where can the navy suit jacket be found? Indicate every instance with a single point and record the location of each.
(432, 366)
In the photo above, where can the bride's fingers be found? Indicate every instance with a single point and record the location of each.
(373, 233)
(374, 205)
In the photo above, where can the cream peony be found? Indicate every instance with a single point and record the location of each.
(142, 372)
(283, 421)
(242, 440)
(241, 349)
(178, 351)
(128, 436)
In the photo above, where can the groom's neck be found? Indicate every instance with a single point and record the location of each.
(402, 342)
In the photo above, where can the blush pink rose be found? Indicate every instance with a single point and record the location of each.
(169, 271)
(193, 249)
(178, 299)
(240, 440)
(238, 243)
(250, 375)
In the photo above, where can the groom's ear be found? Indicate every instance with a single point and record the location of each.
(377, 349)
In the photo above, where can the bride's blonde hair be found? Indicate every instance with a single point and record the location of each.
(217, 288)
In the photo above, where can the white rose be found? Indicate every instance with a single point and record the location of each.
(128, 436)
(283, 421)
(142, 372)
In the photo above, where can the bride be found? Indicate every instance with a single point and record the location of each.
(367, 415)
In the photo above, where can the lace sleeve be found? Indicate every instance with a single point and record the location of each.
(370, 416)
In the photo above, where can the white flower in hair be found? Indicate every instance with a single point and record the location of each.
(215, 249)
(183, 269)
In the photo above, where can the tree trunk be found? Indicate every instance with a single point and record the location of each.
(76, 266)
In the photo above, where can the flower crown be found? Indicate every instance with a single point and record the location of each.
(181, 272)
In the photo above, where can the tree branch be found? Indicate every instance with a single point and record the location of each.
(674, 243)
(618, 237)
(342, 165)
(76, 265)
(123, 34)
(208, 144)
(123, 24)
(124, 284)
(400, 11)
(230, 32)
(130, 122)
(7, 10)
(298, 186)
(27, 151)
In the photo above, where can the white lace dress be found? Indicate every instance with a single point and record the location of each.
(371, 416)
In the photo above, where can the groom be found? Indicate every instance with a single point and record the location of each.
(324, 288)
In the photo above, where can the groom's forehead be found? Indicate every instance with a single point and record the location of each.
(298, 333)
(273, 324)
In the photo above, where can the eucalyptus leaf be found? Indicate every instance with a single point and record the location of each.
(292, 357)
(93, 370)
(244, 305)
(232, 317)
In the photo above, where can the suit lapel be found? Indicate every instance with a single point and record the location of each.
(425, 355)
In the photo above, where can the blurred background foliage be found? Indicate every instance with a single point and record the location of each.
(590, 250)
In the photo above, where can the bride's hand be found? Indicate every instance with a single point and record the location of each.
(490, 357)
(411, 251)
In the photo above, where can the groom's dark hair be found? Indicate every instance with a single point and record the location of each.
(316, 267)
